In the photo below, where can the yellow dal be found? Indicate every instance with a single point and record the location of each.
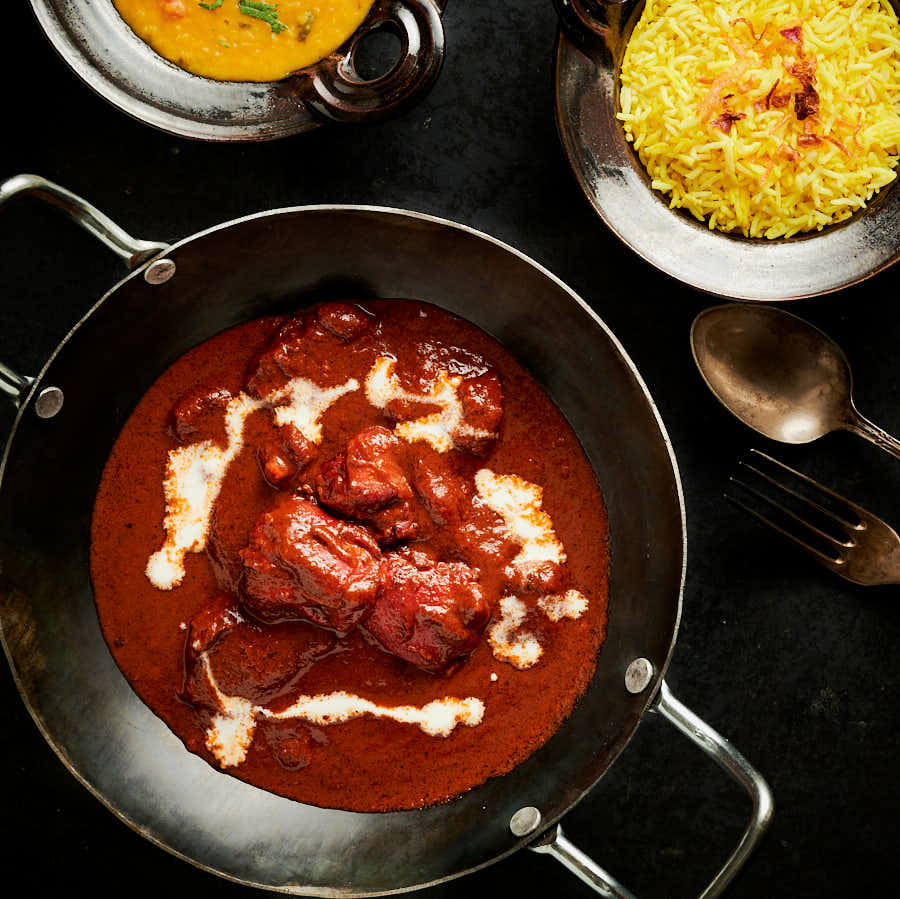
(228, 45)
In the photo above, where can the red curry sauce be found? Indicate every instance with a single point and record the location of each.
(271, 655)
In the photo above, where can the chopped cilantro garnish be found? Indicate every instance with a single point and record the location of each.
(214, 5)
(224, 43)
(268, 12)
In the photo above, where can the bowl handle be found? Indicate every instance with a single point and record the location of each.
(554, 842)
(332, 88)
(135, 253)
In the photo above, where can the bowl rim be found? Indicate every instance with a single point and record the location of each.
(109, 57)
(586, 75)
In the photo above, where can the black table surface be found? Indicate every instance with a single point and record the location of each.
(794, 665)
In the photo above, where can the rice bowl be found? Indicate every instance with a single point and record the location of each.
(765, 117)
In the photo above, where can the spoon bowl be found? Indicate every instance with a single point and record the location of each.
(779, 374)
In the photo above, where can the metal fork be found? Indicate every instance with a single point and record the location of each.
(866, 552)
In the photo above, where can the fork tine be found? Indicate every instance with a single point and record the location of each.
(861, 513)
(782, 508)
(833, 563)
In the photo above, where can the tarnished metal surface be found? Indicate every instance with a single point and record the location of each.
(159, 271)
(276, 262)
(858, 546)
(588, 58)
(105, 53)
(130, 250)
(638, 675)
(48, 402)
(557, 845)
(733, 763)
(525, 821)
(334, 90)
(14, 385)
(779, 375)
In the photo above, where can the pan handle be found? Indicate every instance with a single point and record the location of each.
(722, 751)
(335, 91)
(135, 253)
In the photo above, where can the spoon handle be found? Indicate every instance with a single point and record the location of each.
(865, 428)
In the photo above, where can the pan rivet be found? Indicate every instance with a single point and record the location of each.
(525, 821)
(159, 271)
(638, 675)
(49, 401)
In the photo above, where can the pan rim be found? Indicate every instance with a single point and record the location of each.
(400, 213)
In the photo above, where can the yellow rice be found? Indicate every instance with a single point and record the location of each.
(758, 179)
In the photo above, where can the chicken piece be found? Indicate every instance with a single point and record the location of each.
(273, 365)
(196, 689)
(484, 539)
(274, 463)
(259, 663)
(213, 622)
(302, 450)
(444, 494)
(395, 524)
(366, 476)
(205, 629)
(282, 457)
(342, 320)
(428, 613)
(482, 402)
(200, 415)
(287, 354)
(265, 662)
(303, 564)
(368, 481)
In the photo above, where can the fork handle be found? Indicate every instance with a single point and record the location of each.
(865, 428)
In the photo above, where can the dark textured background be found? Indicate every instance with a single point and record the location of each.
(796, 667)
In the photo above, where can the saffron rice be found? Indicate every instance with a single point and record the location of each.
(765, 117)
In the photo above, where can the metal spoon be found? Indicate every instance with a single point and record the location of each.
(779, 374)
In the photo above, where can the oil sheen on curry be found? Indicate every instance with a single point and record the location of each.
(355, 556)
(243, 40)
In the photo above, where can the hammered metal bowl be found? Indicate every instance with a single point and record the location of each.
(592, 41)
(112, 60)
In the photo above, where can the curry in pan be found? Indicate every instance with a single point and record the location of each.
(355, 556)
